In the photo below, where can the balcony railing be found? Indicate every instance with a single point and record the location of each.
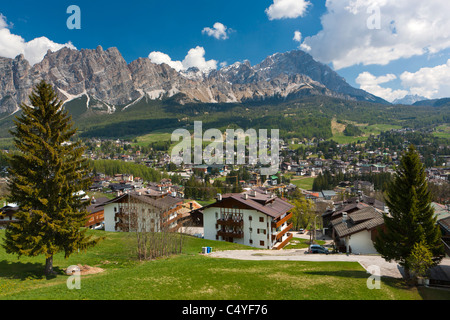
(277, 224)
(282, 232)
(281, 245)
(230, 222)
(232, 234)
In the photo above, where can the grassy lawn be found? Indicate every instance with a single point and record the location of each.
(442, 131)
(303, 183)
(192, 276)
(153, 137)
(299, 243)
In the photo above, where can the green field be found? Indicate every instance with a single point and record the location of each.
(374, 129)
(303, 183)
(442, 131)
(192, 276)
(145, 140)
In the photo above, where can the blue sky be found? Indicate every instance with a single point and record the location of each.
(389, 48)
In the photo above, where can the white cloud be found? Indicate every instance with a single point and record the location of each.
(218, 31)
(297, 36)
(431, 83)
(407, 28)
(194, 58)
(285, 9)
(12, 45)
(159, 58)
(371, 83)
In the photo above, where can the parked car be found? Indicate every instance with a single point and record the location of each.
(301, 231)
(315, 248)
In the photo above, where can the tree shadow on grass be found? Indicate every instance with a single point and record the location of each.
(25, 271)
(397, 283)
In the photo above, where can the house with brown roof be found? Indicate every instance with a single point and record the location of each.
(255, 218)
(7, 215)
(95, 218)
(354, 231)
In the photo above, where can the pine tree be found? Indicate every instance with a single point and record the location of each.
(46, 174)
(411, 217)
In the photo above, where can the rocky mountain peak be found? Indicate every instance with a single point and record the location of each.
(104, 76)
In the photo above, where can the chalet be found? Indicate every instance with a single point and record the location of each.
(120, 187)
(254, 218)
(355, 232)
(95, 218)
(136, 211)
(7, 215)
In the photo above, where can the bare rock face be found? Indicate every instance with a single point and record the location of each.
(104, 77)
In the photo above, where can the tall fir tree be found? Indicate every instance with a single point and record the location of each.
(411, 218)
(46, 175)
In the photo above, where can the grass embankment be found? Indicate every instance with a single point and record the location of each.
(191, 276)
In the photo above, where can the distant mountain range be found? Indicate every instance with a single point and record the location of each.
(409, 100)
(108, 83)
(418, 101)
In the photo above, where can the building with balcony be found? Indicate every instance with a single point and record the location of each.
(139, 212)
(254, 218)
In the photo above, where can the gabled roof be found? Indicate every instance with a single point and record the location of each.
(445, 223)
(164, 203)
(349, 208)
(264, 203)
(97, 206)
(365, 219)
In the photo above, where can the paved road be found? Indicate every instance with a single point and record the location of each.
(386, 268)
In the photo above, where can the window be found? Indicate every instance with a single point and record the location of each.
(250, 241)
(250, 218)
(261, 219)
(261, 243)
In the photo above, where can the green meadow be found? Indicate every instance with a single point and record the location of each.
(193, 276)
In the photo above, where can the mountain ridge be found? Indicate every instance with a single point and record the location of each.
(108, 81)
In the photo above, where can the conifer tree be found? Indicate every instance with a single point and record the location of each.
(411, 217)
(46, 174)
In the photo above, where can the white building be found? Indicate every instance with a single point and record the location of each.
(253, 218)
(134, 211)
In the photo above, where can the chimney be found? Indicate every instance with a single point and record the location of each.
(219, 197)
(245, 196)
(344, 216)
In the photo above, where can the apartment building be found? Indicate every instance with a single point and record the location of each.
(255, 218)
